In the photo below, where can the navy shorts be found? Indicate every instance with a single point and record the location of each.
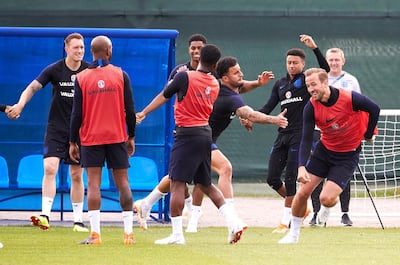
(191, 156)
(284, 158)
(334, 166)
(116, 156)
(56, 144)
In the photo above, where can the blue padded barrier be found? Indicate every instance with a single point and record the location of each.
(143, 173)
(4, 180)
(30, 172)
(105, 178)
(143, 178)
(147, 55)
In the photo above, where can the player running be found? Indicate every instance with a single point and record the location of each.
(228, 105)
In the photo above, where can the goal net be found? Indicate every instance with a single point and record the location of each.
(380, 164)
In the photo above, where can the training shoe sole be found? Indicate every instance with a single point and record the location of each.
(37, 221)
(236, 237)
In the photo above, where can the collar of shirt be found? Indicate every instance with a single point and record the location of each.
(98, 63)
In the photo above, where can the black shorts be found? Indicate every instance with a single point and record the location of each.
(334, 166)
(191, 156)
(56, 144)
(284, 158)
(116, 156)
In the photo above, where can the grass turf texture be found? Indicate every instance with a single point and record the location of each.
(30, 245)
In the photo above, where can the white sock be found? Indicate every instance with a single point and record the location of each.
(229, 201)
(188, 203)
(77, 209)
(229, 214)
(127, 216)
(323, 214)
(295, 226)
(47, 204)
(287, 215)
(154, 196)
(177, 227)
(195, 214)
(94, 217)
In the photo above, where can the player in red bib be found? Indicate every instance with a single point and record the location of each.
(196, 92)
(338, 114)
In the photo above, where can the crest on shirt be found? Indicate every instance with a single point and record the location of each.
(298, 83)
(101, 84)
(335, 126)
(73, 77)
(288, 94)
(208, 90)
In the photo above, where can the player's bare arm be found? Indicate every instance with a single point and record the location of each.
(262, 80)
(27, 94)
(248, 113)
(157, 102)
(140, 116)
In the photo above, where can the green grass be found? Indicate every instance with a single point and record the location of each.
(28, 245)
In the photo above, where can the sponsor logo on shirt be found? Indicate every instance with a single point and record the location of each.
(67, 94)
(66, 83)
(291, 100)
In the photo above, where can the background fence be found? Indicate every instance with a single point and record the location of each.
(257, 32)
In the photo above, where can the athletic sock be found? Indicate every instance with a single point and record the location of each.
(177, 227)
(323, 214)
(127, 217)
(47, 204)
(188, 203)
(154, 196)
(195, 214)
(94, 217)
(287, 216)
(295, 226)
(77, 209)
(229, 214)
(230, 201)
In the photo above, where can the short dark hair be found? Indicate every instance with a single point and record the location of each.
(71, 36)
(209, 55)
(224, 64)
(197, 37)
(297, 52)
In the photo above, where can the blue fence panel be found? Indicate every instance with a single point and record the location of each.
(146, 55)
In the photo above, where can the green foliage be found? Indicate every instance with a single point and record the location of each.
(28, 245)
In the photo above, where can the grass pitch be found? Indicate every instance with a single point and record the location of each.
(332, 245)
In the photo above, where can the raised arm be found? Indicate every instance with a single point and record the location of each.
(308, 41)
